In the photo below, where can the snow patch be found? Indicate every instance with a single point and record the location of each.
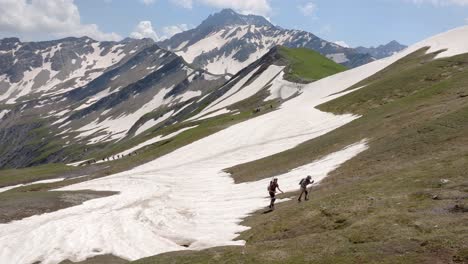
(215, 113)
(236, 94)
(115, 128)
(4, 189)
(338, 57)
(149, 216)
(154, 140)
(151, 123)
(283, 89)
(188, 95)
(3, 113)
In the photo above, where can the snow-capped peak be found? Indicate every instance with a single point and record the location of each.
(227, 41)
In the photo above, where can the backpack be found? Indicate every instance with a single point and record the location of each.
(269, 188)
(302, 180)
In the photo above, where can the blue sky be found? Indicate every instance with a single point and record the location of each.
(364, 22)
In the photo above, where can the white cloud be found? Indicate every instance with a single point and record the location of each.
(326, 29)
(56, 18)
(342, 43)
(170, 31)
(148, 2)
(258, 7)
(466, 20)
(307, 9)
(442, 2)
(144, 29)
(183, 3)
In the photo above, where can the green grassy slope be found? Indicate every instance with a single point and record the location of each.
(401, 201)
(19, 176)
(306, 65)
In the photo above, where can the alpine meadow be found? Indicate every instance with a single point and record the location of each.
(241, 136)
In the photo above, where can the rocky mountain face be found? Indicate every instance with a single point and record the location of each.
(382, 51)
(226, 42)
(61, 99)
(35, 69)
(58, 98)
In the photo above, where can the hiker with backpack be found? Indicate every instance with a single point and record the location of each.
(303, 183)
(272, 191)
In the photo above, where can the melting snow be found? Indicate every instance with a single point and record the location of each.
(3, 113)
(338, 57)
(149, 216)
(151, 123)
(154, 140)
(215, 113)
(188, 95)
(182, 108)
(240, 92)
(117, 127)
(82, 75)
(4, 189)
(283, 89)
(184, 197)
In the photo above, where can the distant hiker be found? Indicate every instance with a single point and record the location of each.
(303, 183)
(272, 191)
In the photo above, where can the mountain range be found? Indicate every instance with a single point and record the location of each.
(143, 152)
(91, 92)
(227, 41)
(382, 51)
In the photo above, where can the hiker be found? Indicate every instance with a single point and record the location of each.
(303, 183)
(272, 191)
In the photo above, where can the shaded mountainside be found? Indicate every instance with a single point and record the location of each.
(228, 41)
(33, 69)
(95, 98)
(150, 89)
(382, 51)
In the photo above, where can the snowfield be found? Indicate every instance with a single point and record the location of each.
(184, 198)
(4, 189)
(240, 92)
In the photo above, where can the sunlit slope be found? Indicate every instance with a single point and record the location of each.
(396, 201)
(306, 65)
(149, 206)
(401, 201)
